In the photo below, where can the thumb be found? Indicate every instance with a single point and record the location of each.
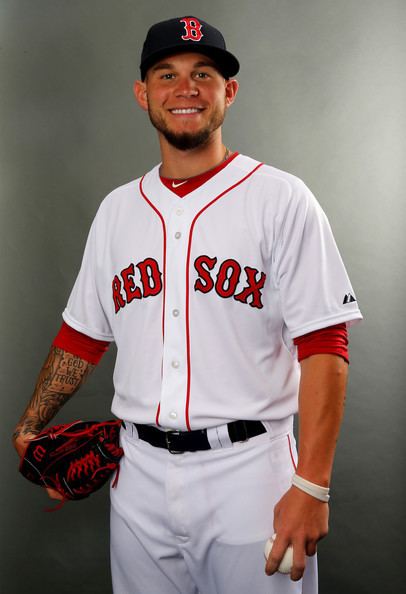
(21, 442)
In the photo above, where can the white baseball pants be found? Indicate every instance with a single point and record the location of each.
(197, 523)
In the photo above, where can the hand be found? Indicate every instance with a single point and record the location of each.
(20, 443)
(300, 520)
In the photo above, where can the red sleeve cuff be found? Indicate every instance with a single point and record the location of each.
(79, 344)
(331, 340)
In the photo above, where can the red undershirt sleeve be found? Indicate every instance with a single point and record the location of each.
(332, 340)
(79, 344)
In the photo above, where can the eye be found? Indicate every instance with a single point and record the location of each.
(202, 75)
(167, 76)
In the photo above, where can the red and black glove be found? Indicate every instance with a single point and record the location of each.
(75, 459)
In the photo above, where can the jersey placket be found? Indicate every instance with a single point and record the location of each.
(174, 368)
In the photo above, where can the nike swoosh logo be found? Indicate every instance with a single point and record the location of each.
(175, 185)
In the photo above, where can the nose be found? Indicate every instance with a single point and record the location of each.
(187, 87)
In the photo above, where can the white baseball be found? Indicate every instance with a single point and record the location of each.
(287, 560)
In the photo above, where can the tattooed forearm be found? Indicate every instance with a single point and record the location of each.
(61, 376)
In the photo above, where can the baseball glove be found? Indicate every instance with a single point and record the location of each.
(75, 459)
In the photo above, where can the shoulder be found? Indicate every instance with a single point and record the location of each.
(119, 195)
(283, 186)
(120, 204)
(269, 173)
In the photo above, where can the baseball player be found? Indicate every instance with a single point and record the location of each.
(219, 280)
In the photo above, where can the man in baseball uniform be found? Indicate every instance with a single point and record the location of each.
(219, 280)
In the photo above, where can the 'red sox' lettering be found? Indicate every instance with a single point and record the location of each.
(151, 281)
(225, 282)
(227, 279)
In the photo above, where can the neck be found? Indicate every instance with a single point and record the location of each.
(178, 164)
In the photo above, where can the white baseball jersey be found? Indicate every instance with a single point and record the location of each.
(203, 295)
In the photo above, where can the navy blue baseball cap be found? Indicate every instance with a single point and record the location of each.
(187, 34)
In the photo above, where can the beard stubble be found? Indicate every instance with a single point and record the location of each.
(187, 140)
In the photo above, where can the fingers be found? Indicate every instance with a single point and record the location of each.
(299, 561)
(281, 558)
(54, 494)
(311, 548)
(21, 442)
(279, 547)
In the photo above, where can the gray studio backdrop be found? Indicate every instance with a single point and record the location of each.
(323, 96)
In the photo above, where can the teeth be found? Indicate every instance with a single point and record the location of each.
(188, 110)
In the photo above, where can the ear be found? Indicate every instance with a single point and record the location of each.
(140, 93)
(231, 88)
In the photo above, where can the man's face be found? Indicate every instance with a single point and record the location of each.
(186, 98)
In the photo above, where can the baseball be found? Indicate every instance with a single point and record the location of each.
(287, 560)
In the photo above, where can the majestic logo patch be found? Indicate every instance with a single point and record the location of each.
(192, 28)
(348, 298)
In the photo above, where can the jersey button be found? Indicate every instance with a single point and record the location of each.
(175, 364)
(178, 235)
(175, 313)
(179, 211)
(173, 414)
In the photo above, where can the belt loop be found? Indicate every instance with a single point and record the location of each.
(268, 427)
(218, 437)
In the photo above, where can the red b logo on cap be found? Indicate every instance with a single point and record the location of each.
(193, 30)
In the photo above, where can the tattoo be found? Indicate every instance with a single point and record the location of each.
(61, 376)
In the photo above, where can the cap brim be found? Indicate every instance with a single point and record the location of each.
(226, 63)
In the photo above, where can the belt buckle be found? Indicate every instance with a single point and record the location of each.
(168, 443)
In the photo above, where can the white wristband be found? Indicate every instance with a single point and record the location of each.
(316, 491)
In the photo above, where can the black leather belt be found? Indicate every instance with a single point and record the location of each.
(178, 442)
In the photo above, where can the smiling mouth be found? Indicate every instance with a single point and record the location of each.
(186, 110)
